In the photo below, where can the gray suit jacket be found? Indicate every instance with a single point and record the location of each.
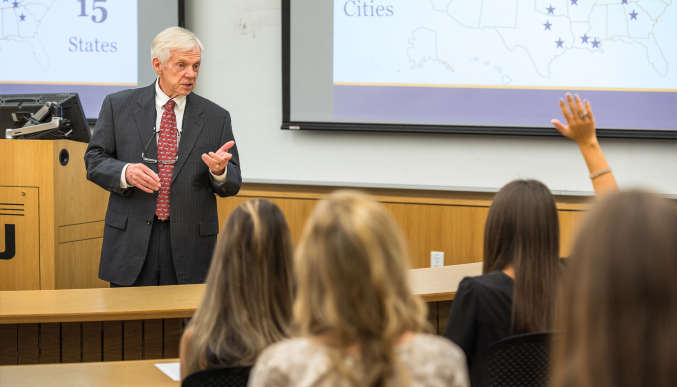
(124, 127)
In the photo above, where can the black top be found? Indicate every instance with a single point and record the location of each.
(480, 315)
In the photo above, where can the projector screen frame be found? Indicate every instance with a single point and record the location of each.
(288, 124)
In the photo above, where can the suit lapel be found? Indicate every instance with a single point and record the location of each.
(191, 128)
(145, 122)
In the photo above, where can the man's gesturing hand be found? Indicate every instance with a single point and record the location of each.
(142, 177)
(217, 162)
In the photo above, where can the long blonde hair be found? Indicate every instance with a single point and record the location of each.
(351, 267)
(247, 304)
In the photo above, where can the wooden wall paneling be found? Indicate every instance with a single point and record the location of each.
(568, 224)
(79, 200)
(226, 205)
(64, 194)
(34, 171)
(29, 350)
(81, 231)
(50, 343)
(79, 212)
(9, 344)
(444, 307)
(432, 315)
(450, 222)
(77, 265)
(92, 337)
(71, 342)
(152, 339)
(172, 336)
(20, 210)
(132, 344)
(297, 212)
(457, 231)
(112, 340)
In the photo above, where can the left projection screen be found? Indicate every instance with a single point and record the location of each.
(90, 47)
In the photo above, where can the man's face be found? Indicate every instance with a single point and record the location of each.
(179, 76)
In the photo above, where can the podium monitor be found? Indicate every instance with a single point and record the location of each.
(68, 109)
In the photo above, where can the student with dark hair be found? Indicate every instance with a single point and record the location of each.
(247, 304)
(619, 325)
(520, 289)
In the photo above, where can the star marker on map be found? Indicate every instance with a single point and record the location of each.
(559, 43)
(551, 10)
(15, 4)
(633, 15)
(574, 2)
(585, 38)
(22, 17)
(547, 25)
(595, 43)
(624, 2)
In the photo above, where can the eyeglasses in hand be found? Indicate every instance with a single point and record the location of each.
(153, 161)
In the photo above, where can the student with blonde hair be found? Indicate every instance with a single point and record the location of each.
(247, 303)
(619, 327)
(359, 324)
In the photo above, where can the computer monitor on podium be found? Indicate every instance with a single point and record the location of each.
(60, 115)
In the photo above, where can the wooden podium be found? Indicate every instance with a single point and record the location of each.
(51, 217)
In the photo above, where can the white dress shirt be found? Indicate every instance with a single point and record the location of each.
(179, 109)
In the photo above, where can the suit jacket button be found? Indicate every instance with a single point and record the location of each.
(148, 221)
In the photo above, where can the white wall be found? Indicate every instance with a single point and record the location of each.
(242, 69)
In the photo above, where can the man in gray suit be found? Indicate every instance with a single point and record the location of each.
(162, 152)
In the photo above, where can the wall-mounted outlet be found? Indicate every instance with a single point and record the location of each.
(436, 258)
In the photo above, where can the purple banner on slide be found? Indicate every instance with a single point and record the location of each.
(500, 107)
(91, 96)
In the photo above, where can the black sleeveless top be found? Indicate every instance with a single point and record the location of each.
(480, 315)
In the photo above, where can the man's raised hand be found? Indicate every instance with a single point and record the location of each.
(218, 161)
(142, 177)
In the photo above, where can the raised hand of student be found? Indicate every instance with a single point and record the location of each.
(581, 123)
(581, 128)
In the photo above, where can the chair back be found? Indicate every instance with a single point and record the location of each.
(218, 377)
(521, 360)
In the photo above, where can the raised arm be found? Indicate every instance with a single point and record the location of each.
(581, 128)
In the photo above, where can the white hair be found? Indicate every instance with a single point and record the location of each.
(173, 39)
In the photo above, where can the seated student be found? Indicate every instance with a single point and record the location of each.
(518, 292)
(619, 323)
(359, 324)
(247, 303)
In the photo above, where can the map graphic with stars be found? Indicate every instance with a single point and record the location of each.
(68, 42)
(601, 44)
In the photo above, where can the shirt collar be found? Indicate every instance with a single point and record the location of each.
(161, 99)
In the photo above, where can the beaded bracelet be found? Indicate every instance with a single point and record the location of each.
(599, 173)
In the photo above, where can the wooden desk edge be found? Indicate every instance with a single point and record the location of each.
(143, 314)
(433, 297)
(98, 316)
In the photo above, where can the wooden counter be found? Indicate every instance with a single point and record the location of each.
(99, 304)
(161, 302)
(80, 325)
(142, 373)
(441, 283)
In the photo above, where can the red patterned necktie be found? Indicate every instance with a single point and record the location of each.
(166, 148)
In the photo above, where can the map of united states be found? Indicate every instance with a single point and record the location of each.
(548, 29)
(603, 44)
(19, 21)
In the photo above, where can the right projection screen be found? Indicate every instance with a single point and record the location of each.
(485, 66)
